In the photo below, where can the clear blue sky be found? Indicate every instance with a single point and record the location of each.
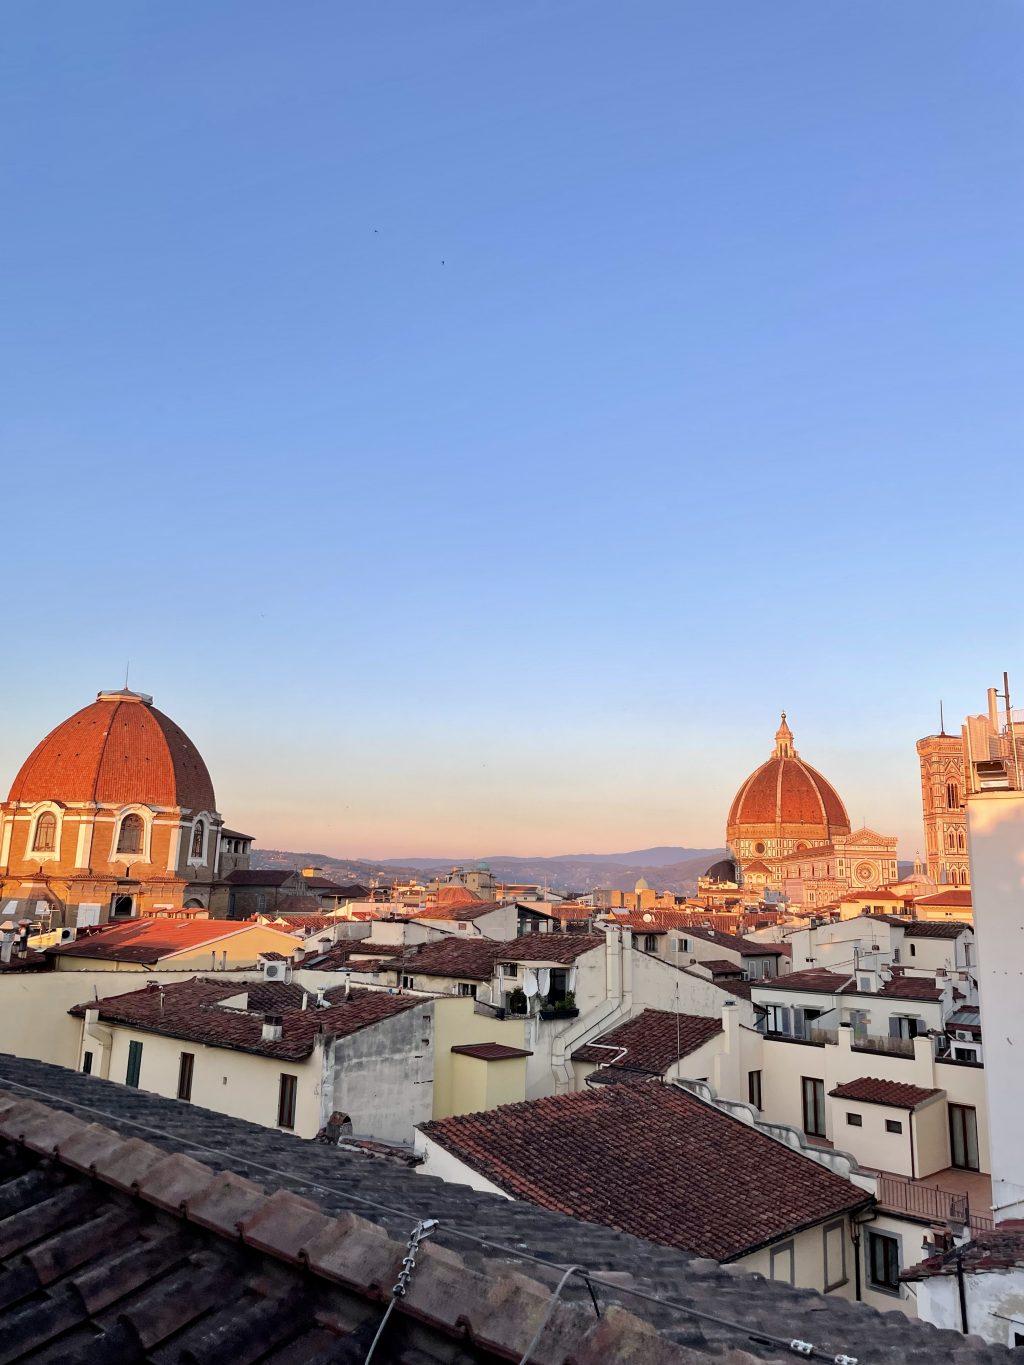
(477, 420)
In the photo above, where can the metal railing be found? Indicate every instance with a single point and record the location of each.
(923, 1201)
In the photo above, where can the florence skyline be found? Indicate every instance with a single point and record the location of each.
(705, 415)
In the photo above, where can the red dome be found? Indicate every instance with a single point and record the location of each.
(787, 791)
(787, 798)
(120, 750)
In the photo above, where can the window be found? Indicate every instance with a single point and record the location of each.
(650, 943)
(781, 1260)
(952, 796)
(883, 1254)
(754, 1089)
(961, 842)
(913, 950)
(684, 944)
(834, 1237)
(129, 840)
(467, 988)
(86, 1063)
(893, 1126)
(286, 1101)
(407, 983)
(510, 969)
(814, 1106)
(46, 833)
(950, 839)
(134, 1063)
(462, 924)
(186, 1066)
(198, 838)
(963, 1137)
(855, 1120)
(121, 907)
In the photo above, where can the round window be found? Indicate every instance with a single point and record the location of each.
(759, 848)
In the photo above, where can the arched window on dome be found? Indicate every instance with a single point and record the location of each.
(952, 796)
(45, 840)
(129, 839)
(198, 838)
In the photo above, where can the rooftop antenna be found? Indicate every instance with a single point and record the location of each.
(942, 720)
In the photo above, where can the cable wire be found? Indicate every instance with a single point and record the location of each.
(794, 1346)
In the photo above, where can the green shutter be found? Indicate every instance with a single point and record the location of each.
(134, 1063)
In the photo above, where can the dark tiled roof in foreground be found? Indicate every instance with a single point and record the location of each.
(651, 1042)
(393, 1197)
(896, 1094)
(193, 1010)
(696, 1178)
(114, 1251)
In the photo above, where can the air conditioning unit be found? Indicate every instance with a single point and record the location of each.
(964, 1036)
(67, 935)
(276, 971)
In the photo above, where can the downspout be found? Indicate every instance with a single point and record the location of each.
(855, 1232)
(961, 1291)
(103, 1036)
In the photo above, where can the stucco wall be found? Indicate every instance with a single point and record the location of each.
(383, 1076)
(456, 1022)
(995, 1304)
(809, 1258)
(34, 1019)
(236, 1083)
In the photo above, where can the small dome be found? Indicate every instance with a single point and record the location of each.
(120, 750)
(642, 884)
(722, 871)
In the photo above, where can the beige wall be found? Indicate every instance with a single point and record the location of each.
(808, 1259)
(456, 1023)
(230, 1082)
(239, 950)
(34, 1019)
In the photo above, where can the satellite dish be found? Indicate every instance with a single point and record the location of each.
(483, 994)
(648, 917)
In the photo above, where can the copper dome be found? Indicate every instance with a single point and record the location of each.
(120, 750)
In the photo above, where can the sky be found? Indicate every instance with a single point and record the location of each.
(476, 421)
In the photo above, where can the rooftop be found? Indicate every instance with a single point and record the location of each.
(872, 1090)
(651, 1042)
(1002, 1248)
(736, 1309)
(821, 980)
(696, 1178)
(952, 897)
(195, 1010)
(149, 940)
(261, 876)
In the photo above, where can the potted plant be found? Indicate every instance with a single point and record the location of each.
(562, 1007)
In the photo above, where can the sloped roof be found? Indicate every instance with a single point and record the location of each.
(651, 1042)
(262, 876)
(194, 1010)
(696, 1178)
(953, 898)
(1000, 1248)
(458, 910)
(490, 1052)
(872, 1090)
(149, 940)
(335, 1180)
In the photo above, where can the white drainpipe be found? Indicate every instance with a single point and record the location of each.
(104, 1037)
(614, 1009)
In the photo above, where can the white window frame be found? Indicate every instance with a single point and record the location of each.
(53, 855)
(143, 856)
(201, 860)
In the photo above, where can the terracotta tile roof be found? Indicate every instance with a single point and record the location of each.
(459, 895)
(345, 954)
(935, 928)
(550, 947)
(788, 791)
(325, 884)
(809, 979)
(452, 911)
(149, 1255)
(1000, 1248)
(652, 1042)
(296, 918)
(661, 921)
(489, 1309)
(235, 834)
(469, 958)
(896, 1094)
(149, 940)
(953, 897)
(721, 966)
(193, 1010)
(120, 749)
(734, 1189)
(490, 1052)
(818, 851)
(903, 987)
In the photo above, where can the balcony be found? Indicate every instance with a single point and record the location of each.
(943, 1198)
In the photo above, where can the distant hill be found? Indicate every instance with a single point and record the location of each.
(667, 868)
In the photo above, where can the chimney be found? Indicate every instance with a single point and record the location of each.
(7, 942)
(321, 991)
(272, 1028)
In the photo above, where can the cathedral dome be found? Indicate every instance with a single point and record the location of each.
(784, 805)
(120, 750)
